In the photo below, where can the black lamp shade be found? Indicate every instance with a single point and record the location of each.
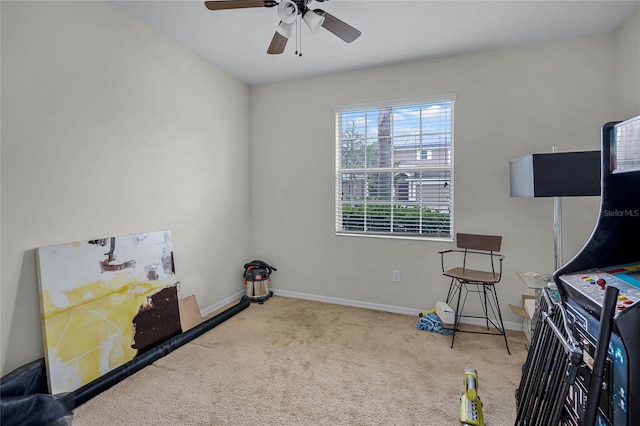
(561, 174)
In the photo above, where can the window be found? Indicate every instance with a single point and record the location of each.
(394, 169)
(427, 154)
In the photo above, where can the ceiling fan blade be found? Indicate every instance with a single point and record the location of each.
(278, 43)
(237, 4)
(340, 28)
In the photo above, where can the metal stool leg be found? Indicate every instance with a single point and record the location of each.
(502, 330)
(453, 287)
(485, 306)
(489, 302)
(457, 313)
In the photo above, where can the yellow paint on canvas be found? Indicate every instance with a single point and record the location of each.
(94, 335)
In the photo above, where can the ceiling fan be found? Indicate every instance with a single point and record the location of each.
(289, 12)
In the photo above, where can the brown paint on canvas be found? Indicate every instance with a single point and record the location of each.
(157, 321)
(108, 265)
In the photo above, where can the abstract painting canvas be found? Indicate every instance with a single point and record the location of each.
(103, 302)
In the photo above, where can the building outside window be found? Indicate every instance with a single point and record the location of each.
(394, 169)
(426, 154)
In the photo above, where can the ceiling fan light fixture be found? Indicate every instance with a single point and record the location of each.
(313, 20)
(287, 11)
(286, 29)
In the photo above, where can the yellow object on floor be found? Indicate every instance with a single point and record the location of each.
(424, 313)
(470, 404)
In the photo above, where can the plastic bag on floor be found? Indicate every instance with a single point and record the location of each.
(24, 400)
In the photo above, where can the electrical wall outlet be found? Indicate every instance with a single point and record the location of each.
(395, 276)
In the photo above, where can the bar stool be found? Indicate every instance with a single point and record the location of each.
(480, 252)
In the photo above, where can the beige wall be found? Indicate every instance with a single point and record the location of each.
(510, 103)
(109, 129)
(627, 77)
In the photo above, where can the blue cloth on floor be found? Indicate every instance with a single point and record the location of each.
(431, 322)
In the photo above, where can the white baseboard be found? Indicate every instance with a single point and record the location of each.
(509, 325)
(347, 302)
(211, 309)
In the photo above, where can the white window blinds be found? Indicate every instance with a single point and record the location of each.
(394, 169)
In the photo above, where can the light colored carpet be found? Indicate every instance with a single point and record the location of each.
(299, 362)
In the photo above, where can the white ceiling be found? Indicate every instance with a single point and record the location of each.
(392, 31)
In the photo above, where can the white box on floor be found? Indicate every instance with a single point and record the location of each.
(526, 311)
(446, 314)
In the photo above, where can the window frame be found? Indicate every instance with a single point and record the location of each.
(338, 194)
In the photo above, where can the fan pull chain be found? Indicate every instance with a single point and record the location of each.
(298, 36)
(297, 27)
(300, 39)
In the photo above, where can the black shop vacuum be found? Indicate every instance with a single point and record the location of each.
(257, 276)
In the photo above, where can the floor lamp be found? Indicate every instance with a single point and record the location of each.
(557, 175)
